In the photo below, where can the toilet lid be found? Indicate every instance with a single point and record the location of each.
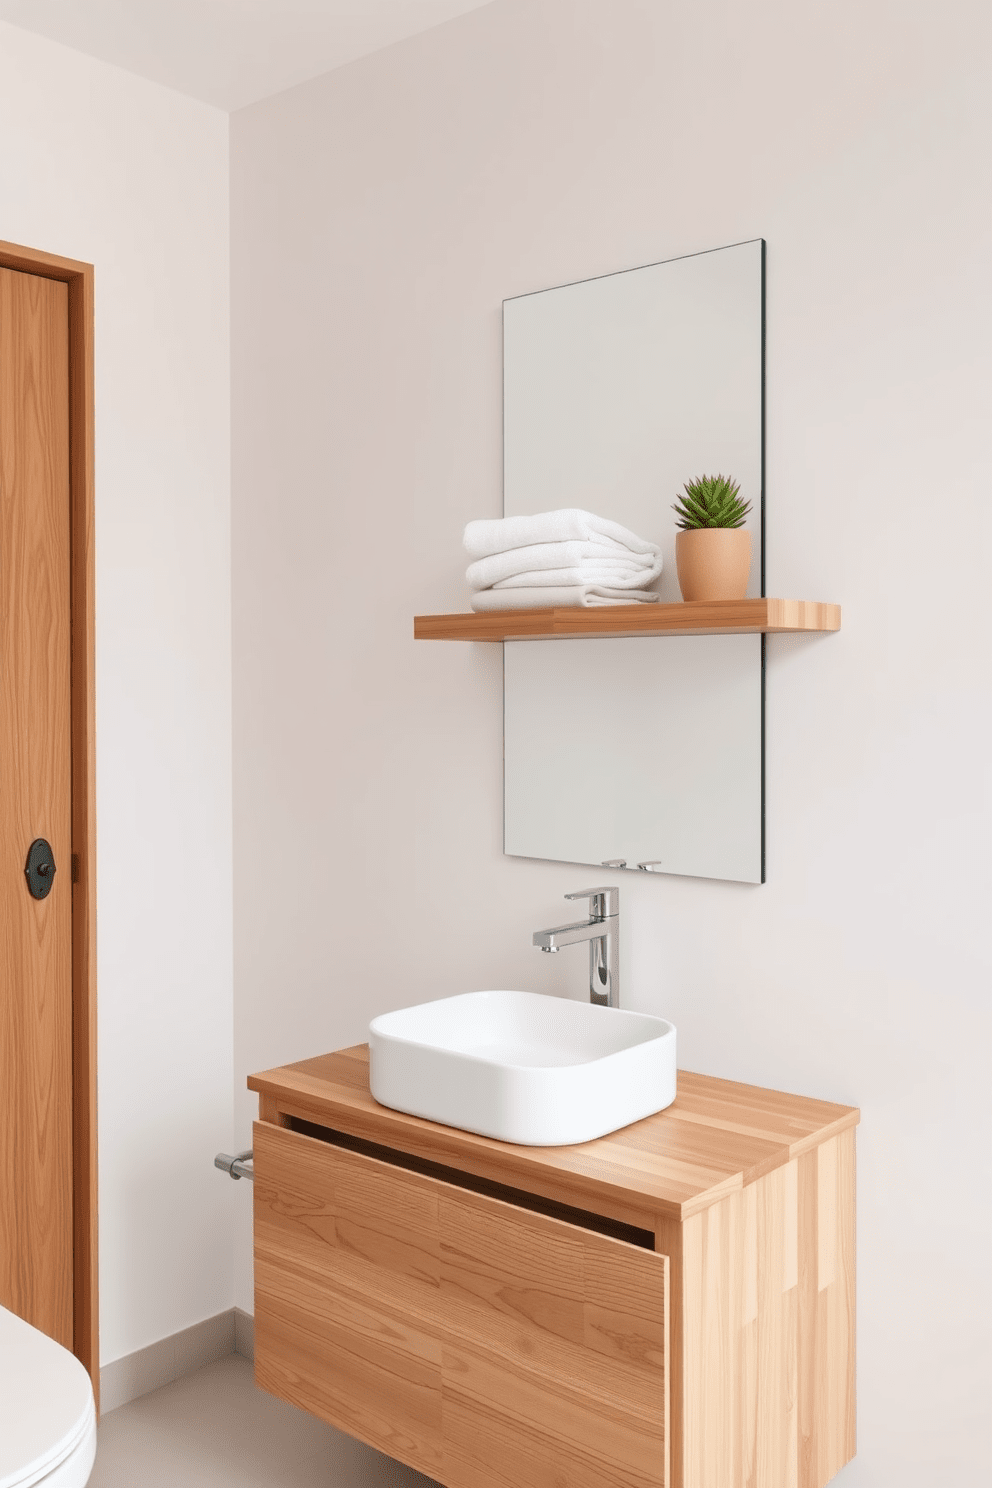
(46, 1403)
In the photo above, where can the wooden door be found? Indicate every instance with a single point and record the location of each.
(36, 1075)
(484, 1344)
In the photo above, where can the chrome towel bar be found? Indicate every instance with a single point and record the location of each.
(238, 1166)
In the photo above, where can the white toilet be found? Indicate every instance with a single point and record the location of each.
(47, 1416)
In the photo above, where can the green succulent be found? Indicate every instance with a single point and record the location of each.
(710, 501)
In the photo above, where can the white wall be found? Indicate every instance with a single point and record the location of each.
(98, 165)
(379, 216)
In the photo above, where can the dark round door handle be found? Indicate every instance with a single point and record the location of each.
(40, 868)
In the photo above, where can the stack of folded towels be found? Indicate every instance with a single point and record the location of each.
(558, 559)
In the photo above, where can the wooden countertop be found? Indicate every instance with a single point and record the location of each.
(718, 1136)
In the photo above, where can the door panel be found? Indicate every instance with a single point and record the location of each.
(35, 762)
(485, 1345)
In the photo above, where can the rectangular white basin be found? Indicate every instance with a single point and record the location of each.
(522, 1067)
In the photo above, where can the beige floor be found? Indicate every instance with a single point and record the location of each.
(213, 1429)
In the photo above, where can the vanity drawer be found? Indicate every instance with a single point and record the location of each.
(488, 1346)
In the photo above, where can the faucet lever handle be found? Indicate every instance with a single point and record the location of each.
(610, 894)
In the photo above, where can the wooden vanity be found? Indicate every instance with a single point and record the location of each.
(671, 1306)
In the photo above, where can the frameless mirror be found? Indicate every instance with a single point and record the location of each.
(643, 752)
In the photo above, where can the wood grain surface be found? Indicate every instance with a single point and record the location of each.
(716, 1139)
(487, 1346)
(36, 1106)
(701, 617)
(78, 279)
(764, 1388)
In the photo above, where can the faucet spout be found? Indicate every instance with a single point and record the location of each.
(602, 931)
(566, 935)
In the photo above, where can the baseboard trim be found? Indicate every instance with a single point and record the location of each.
(244, 1334)
(147, 1369)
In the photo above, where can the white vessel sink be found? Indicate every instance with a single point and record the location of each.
(541, 1071)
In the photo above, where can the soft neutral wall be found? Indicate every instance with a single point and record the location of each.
(98, 165)
(379, 217)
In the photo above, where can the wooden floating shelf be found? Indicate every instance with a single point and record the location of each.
(708, 617)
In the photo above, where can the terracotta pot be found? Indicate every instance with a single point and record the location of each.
(713, 562)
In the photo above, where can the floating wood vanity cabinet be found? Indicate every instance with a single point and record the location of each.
(671, 1306)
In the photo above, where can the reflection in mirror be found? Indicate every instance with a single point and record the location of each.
(616, 392)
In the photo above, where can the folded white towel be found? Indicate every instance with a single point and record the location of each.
(610, 575)
(583, 596)
(604, 559)
(571, 524)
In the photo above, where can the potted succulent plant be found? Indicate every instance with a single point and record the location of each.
(712, 550)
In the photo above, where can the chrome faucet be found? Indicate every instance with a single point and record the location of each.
(602, 931)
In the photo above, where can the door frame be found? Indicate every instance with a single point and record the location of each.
(85, 1278)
